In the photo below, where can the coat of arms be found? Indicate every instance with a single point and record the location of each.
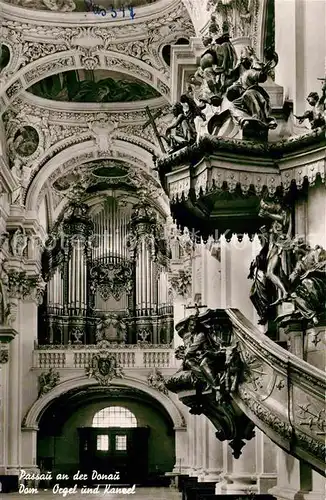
(104, 366)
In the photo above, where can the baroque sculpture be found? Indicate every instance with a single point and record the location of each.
(111, 328)
(185, 113)
(47, 381)
(212, 370)
(316, 115)
(156, 380)
(212, 363)
(228, 82)
(287, 270)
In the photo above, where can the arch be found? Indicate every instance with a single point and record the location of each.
(77, 154)
(34, 414)
(73, 59)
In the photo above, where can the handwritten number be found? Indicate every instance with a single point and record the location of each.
(98, 10)
(131, 11)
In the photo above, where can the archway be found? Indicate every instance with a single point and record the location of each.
(73, 404)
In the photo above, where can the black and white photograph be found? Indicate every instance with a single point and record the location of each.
(162, 249)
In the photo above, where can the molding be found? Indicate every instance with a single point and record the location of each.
(7, 334)
(270, 168)
(78, 154)
(34, 414)
(80, 108)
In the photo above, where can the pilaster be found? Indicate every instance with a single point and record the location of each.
(7, 335)
(181, 451)
(14, 395)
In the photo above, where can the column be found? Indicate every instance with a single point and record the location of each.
(178, 314)
(212, 283)
(200, 445)
(214, 455)
(288, 477)
(242, 478)
(191, 425)
(265, 462)
(302, 46)
(317, 487)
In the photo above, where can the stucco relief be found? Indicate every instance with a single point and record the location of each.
(87, 46)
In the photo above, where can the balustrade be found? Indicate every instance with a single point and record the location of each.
(131, 356)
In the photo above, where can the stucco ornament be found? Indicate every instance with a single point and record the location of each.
(104, 366)
(47, 381)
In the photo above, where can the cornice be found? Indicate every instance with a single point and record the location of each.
(214, 163)
(90, 107)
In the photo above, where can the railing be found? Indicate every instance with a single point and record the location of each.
(127, 357)
(142, 310)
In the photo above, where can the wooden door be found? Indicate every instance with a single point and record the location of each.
(114, 449)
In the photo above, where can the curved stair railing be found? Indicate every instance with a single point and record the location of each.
(240, 378)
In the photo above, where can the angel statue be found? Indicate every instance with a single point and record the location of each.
(279, 243)
(316, 115)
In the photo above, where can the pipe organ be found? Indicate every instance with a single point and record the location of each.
(107, 277)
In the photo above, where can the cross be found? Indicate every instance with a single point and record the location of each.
(195, 306)
(151, 121)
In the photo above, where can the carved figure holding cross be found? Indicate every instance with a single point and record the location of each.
(151, 122)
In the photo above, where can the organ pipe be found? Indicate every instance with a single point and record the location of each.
(109, 244)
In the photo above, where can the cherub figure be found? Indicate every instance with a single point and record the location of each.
(316, 115)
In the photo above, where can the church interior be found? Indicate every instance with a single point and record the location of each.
(163, 249)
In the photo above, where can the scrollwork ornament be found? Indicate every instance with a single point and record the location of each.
(47, 381)
(181, 282)
(156, 380)
(23, 286)
(4, 355)
(112, 279)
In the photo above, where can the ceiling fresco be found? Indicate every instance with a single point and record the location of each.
(111, 8)
(93, 86)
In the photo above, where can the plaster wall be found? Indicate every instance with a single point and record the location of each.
(316, 215)
(300, 41)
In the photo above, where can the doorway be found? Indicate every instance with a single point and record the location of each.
(107, 451)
